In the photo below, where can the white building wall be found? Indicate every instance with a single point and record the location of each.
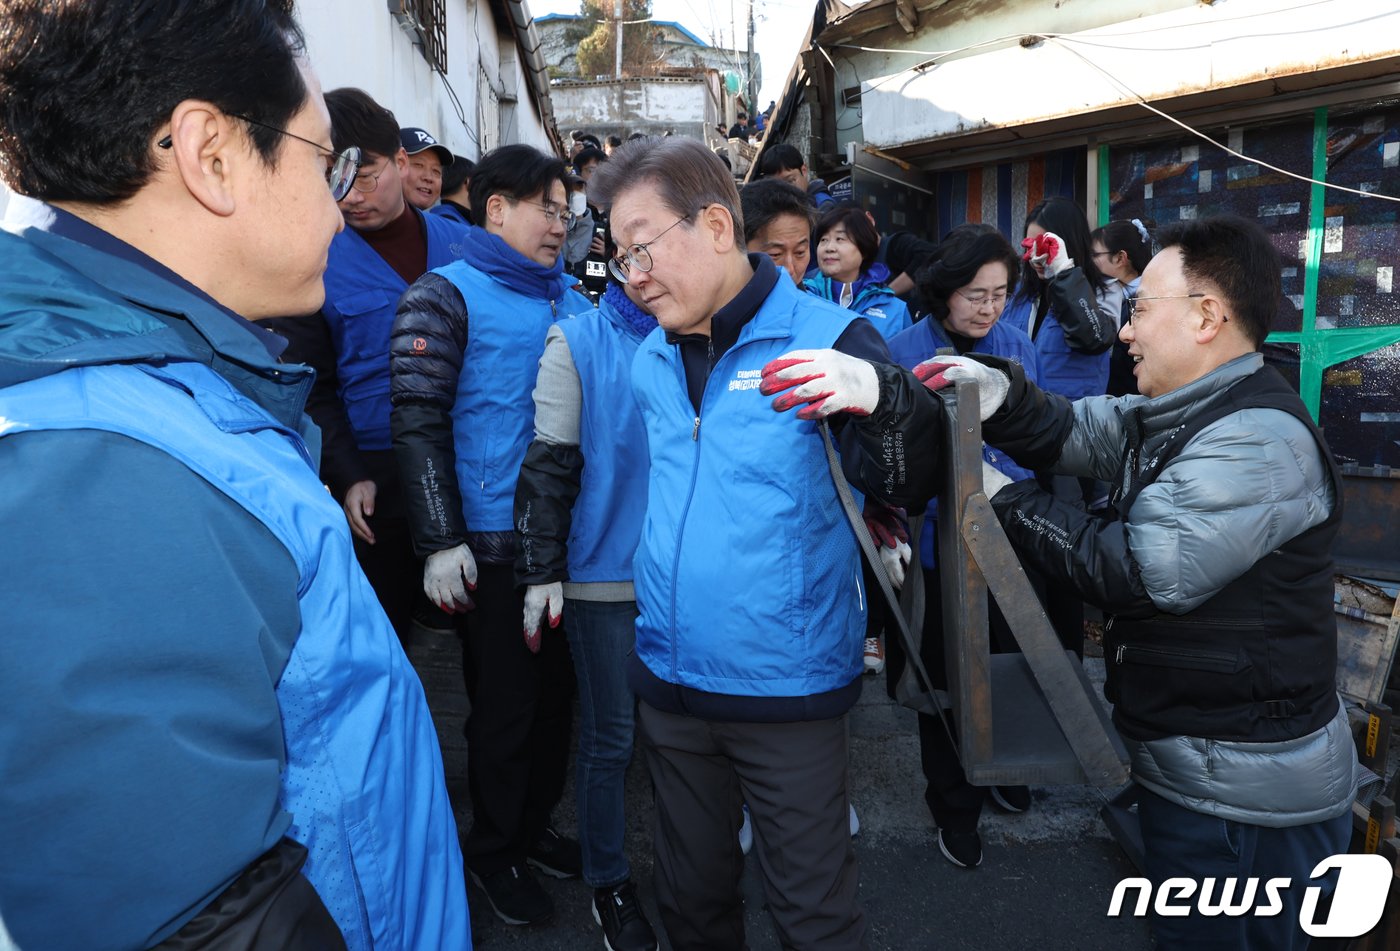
(1193, 49)
(358, 43)
(653, 106)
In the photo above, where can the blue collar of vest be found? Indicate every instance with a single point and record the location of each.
(120, 305)
(871, 283)
(491, 255)
(144, 280)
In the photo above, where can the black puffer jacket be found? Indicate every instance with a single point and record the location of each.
(426, 349)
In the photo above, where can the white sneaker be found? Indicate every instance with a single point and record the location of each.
(874, 655)
(855, 823)
(746, 833)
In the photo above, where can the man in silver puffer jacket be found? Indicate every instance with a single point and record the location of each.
(1214, 571)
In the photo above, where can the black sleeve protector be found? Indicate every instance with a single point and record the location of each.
(426, 350)
(1071, 547)
(1076, 307)
(550, 478)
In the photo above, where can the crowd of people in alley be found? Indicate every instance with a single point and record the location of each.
(283, 381)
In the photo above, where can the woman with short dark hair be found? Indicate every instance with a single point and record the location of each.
(966, 282)
(848, 274)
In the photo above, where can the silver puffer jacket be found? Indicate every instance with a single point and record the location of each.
(1240, 488)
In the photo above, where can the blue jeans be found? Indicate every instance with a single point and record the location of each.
(1180, 843)
(601, 635)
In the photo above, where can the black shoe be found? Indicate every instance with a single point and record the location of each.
(1012, 798)
(556, 855)
(515, 896)
(963, 849)
(625, 926)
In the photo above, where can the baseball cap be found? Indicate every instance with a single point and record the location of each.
(416, 140)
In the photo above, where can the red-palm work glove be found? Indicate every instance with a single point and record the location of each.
(828, 381)
(1046, 253)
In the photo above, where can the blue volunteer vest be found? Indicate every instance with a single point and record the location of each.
(607, 516)
(493, 415)
(363, 781)
(922, 342)
(362, 292)
(748, 577)
(1063, 370)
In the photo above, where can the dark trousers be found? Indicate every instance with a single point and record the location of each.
(1179, 843)
(955, 804)
(391, 568)
(518, 731)
(793, 777)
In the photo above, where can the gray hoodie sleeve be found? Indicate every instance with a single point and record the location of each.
(558, 392)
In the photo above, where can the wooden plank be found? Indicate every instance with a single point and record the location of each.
(974, 552)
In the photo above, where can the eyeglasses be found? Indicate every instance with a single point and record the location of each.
(340, 173)
(637, 256)
(1133, 303)
(366, 182)
(553, 213)
(995, 298)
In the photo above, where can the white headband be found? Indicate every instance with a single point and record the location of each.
(1142, 230)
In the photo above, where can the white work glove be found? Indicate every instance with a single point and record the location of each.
(828, 381)
(992, 385)
(993, 479)
(886, 527)
(1046, 253)
(896, 561)
(448, 576)
(538, 599)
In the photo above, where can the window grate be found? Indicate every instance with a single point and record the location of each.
(432, 22)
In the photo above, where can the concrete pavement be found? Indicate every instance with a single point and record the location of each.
(1044, 884)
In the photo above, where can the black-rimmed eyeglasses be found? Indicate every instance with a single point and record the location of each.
(1133, 303)
(637, 256)
(340, 173)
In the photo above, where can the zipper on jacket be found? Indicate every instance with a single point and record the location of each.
(1224, 662)
(690, 493)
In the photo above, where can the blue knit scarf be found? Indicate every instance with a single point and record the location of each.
(489, 254)
(640, 322)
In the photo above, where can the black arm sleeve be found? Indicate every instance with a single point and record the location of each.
(1076, 307)
(550, 478)
(1071, 547)
(309, 342)
(426, 349)
(1032, 425)
(893, 454)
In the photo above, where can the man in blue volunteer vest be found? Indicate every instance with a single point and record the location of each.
(748, 581)
(388, 245)
(466, 346)
(578, 509)
(1215, 572)
(208, 731)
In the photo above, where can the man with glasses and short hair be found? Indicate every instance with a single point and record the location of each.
(467, 342)
(1213, 567)
(390, 243)
(748, 579)
(209, 735)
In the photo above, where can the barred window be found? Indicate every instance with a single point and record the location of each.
(426, 22)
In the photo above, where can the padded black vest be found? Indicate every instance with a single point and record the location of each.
(1256, 662)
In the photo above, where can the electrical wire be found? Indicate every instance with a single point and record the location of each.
(1063, 41)
(1124, 88)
